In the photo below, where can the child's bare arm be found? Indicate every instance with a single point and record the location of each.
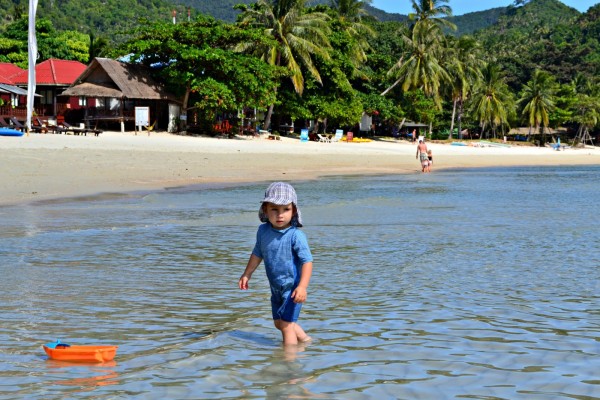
(253, 263)
(299, 295)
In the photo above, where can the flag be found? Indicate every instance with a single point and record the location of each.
(33, 51)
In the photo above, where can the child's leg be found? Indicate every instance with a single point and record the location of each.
(292, 332)
(300, 334)
(287, 331)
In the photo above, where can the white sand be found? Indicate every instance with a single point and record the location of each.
(47, 166)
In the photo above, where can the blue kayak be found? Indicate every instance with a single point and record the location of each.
(10, 132)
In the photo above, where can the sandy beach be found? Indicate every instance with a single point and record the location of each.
(47, 166)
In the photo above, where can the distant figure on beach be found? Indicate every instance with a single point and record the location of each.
(430, 159)
(288, 260)
(422, 155)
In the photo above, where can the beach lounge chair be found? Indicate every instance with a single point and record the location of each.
(55, 128)
(16, 124)
(38, 126)
(74, 130)
(339, 133)
(323, 138)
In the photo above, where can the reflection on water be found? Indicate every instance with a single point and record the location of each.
(88, 376)
(476, 284)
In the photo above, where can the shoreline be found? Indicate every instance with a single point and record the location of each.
(42, 167)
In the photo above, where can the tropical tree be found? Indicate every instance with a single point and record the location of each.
(586, 107)
(464, 71)
(587, 115)
(52, 43)
(537, 100)
(297, 37)
(350, 14)
(197, 60)
(421, 68)
(433, 11)
(492, 100)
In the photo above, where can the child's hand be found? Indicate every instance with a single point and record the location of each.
(299, 295)
(243, 283)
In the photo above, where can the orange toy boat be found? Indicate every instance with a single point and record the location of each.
(66, 352)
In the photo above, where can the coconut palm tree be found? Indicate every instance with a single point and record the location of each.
(491, 99)
(537, 99)
(421, 67)
(587, 115)
(298, 35)
(350, 14)
(351, 10)
(432, 10)
(464, 72)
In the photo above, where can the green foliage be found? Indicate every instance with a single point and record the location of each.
(345, 71)
(12, 51)
(64, 45)
(419, 107)
(519, 39)
(197, 60)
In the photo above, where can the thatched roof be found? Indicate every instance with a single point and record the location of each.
(525, 130)
(105, 77)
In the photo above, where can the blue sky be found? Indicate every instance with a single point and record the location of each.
(460, 7)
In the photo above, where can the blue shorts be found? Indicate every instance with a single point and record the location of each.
(283, 306)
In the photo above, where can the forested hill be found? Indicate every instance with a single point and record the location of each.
(107, 17)
(544, 34)
(99, 17)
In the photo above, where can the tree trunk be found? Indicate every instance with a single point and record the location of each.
(453, 115)
(267, 122)
(184, 105)
(460, 111)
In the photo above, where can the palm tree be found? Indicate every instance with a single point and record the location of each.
(421, 68)
(432, 10)
(587, 115)
(298, 36)
(464, 72)
(351, 10)
(491, 99)
(537, 97)
(350, 14)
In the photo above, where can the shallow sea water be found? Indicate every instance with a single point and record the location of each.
(481, 284)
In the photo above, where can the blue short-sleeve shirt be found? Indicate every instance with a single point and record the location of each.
(283, 253)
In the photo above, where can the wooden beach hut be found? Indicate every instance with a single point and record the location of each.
(120, 91)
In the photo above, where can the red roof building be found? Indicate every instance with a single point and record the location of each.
(8, 71)
(53, 72)
(52, 77)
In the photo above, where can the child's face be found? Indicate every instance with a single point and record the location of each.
(279, 216)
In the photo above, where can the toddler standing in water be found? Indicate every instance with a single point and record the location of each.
(287, 257)
(430, 157)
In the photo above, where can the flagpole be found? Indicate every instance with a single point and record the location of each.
(32, 52)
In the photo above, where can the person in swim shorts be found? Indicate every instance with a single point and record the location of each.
(287, 257)
(422, 155)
